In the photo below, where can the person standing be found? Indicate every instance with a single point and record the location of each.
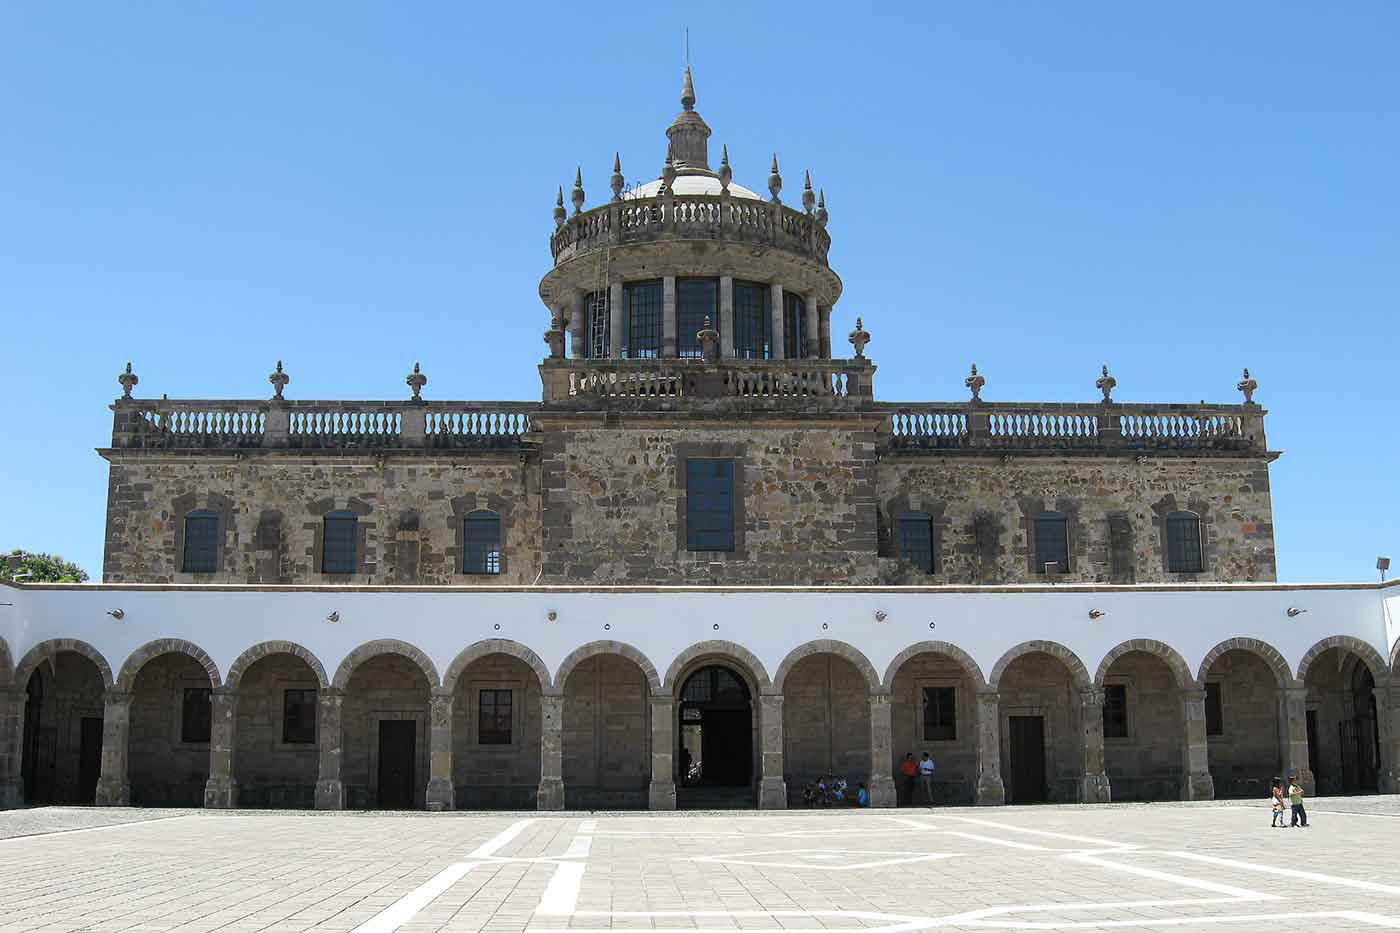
(926, 778)
(908, 770)
(1295, 797)
(1276, 803)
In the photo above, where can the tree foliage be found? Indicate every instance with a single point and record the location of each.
(28, 567)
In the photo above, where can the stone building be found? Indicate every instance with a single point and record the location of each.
(425, 603)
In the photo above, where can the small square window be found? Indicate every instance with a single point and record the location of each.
(1115, 711)
(1215, 714)
(494, 717)
(299, 717)
(940, 714)
(196, 715)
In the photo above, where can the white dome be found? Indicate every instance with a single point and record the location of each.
(690, 185)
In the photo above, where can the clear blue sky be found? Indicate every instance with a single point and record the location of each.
(1178, 189)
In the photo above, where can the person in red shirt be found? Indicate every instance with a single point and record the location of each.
(908, 771)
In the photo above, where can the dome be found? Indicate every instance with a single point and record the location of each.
(690, 185)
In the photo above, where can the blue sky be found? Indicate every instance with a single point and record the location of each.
(1177, 189)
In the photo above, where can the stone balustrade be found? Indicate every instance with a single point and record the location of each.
(690, 217)
(829, 382)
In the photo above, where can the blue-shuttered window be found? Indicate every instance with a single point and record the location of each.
(643, 319)
(794, 325)
(753, 321)
(1051, 542)
(1184, 543)
(201, 542)
(916, 540)
(696, 300)
(709, 505)
(338, 541)
(481, 537)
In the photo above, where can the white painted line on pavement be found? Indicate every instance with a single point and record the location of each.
(579, 848)
(94, 829)
(1008, 827)
(1001, 842)
(1184, 881)
(588, 826)
(1290, 873)
(561, 896)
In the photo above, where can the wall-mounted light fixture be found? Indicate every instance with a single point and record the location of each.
(1382, 564)
(334, 617)
(116, 614)
(1294, 612)
(553, 616)
(881, 615)
(1096, 614)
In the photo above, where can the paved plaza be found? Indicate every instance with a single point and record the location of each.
(1159, 866)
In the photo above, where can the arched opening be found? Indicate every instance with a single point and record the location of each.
(496, 728)
(714, 753)
(1042, 745)
(1242, 724)
(1344, 751)
(384, 726)
(1144, 732)
(62, 750)
(276, 760)
(171, 720)
(826, 723)
(933, 708)
(607, 739)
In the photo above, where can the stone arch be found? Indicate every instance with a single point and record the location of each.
(828, 646)
(53, 646)
(595, 648)
(717, 648)
(1267, 652)
(154, 649)
(1078, 672)
(380, 646)
(949, 649)
(1368, 655)
(1179, 668)
(486, 646)
(263, 649)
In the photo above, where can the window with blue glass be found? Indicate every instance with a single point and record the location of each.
(794, 322)
(1051, 542)
(481, 536)
(916, 540)
(201, 542)
(597, 325)
(1184, 543)
(709, 505)
(753, 321)
(696, 300)
(643, 301)
(338, 542)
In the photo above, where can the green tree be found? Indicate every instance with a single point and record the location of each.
(29, 567)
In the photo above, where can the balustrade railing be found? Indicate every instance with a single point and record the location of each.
(817, 380)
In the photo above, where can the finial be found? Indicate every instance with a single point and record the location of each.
(775, 181)
(688, 92)
(129, 379)
(279, 381)
(668, 171)
(859, 338)
(1106, 384)
(808, 198)
(577, 196)
(975, 382)
(416, 381)
(559, 213)
(709, 341)
(821, 207)
(616, 180)
(554, 337)
(1247, 385)
(725, 172)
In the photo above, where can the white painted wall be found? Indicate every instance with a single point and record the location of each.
(985, 623)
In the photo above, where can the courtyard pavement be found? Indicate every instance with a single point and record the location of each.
(1143, 867)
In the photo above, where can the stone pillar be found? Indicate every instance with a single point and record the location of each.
(668, 316)
(441, 795)
(772, 789)
(991, 792)
(1293, 736)
(824, 333)
(221, 790)
(114, 781)
(881, 782)
(726, 317)
(1196, 782)
(661, 795)
(12, 704)
(1093, 784)
(616, 316)
(1388, 722)
(330, 793)
(578, 325)
(551, 791)
(776, 300)
(811, 330)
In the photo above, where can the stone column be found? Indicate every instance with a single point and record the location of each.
(616, 313)
(12, 704)
(441, 795)
(824, 333)
(776, 300)
(661, 795)
(1093, 784)
(772, 790)
(330, 793)
(881, 782)
(1196, 782)
(668, 316)
(221, 790)
(1293, 736)
(811, 332)
(578, 325)
(114, 782)
(1388, 722)
(726, 317)
(991, 792)
(551, 791)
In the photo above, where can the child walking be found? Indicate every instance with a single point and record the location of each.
(1295, 797)
(1276, 797)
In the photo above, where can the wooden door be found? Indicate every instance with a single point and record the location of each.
(89, 758)
(1027, 741)
(397, 741)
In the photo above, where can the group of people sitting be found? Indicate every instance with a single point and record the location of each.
(832, 791)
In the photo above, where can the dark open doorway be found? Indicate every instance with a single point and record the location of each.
(397, 750)
(715, 740)
(89, 758)
(1026, 736)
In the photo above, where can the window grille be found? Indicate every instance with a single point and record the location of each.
(794, 319)
(696, 299)
(1215, 713)
(1051, 542)
(1184, 543)
(196, 714)
(916, 540)
(481, 536)
(494, 719)
(597, 331)
(339, 531)
(299, 717)
(644, 302)
(715, 685)
(709, 508)
(201, 542)
(940, 714)
(753, 321)
(1115, 711)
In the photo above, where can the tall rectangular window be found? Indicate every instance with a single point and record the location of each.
(940, 714)
(709, 505)
(481, 535)
(1115, 711)
(696, 300)
(794, 326)
(201, 542)
(753, 321)
(1051, 542)
(916, 540)
(339, 531)
(494, 717)
(299, 717)
(1184, 543)
(1215, 714)
(597, 325)
(643, 319)
(196, 714)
